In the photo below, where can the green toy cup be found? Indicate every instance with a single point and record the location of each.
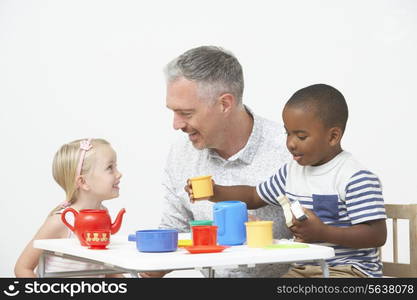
(201, 223)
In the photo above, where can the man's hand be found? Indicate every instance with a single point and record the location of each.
(189, 190)
(310, 230)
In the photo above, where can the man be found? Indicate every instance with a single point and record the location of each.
(223, 138)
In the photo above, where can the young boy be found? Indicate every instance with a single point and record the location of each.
(342, 200)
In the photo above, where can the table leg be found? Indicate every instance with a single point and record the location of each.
(41, 265)
(324, 268)
(211, 272)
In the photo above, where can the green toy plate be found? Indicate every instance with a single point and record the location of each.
(286, 246)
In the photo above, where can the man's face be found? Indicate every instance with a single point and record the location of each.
(307, 137)
(198, 118)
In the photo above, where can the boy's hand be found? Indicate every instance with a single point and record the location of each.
(189, 189)
(310, 230)
(252, 218)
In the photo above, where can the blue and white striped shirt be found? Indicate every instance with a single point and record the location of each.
(341, 193)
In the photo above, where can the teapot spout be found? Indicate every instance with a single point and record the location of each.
(118, 222)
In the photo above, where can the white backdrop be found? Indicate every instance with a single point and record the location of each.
(73, 69)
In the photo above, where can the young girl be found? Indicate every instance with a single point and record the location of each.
(87, 171)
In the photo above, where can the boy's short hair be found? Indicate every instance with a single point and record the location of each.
(327, 102)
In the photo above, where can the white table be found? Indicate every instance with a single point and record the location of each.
(123, 257)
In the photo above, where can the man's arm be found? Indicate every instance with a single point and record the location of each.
(175, 214)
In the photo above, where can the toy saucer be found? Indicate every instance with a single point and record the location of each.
(205, 249)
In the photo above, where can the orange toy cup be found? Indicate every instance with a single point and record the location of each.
(204, 235)
(202, 187)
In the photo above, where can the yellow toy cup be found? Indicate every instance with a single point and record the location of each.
(202, 187)
(259, 233)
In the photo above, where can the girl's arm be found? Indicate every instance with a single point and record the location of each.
(52, 228)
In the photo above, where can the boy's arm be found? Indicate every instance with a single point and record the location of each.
(365, 235)
(242, 193)
(270, 190)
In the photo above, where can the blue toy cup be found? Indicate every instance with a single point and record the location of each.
(155, 240)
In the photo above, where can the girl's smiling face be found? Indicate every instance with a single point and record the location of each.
(104, 178)
(309, 141)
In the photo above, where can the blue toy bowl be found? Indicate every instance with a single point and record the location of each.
(155, 240)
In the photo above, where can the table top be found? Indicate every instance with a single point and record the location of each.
(123, 254)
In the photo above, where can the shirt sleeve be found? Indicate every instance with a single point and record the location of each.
(175, 213)
(274, 187)
(364, 200)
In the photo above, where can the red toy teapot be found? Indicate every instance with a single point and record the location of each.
(93, 227)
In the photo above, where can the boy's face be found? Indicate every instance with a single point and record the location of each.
(308, 140)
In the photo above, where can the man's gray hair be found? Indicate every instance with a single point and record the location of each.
(215, 70)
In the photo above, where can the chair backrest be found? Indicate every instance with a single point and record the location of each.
(396, 269)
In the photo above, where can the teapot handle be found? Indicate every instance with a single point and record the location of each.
(75, 213)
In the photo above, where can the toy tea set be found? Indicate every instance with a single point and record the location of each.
(93, 227)
(230, 227)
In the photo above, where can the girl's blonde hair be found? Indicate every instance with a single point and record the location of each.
(64, 166)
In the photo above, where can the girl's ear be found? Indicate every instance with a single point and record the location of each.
(335, 135)
(81, 183)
